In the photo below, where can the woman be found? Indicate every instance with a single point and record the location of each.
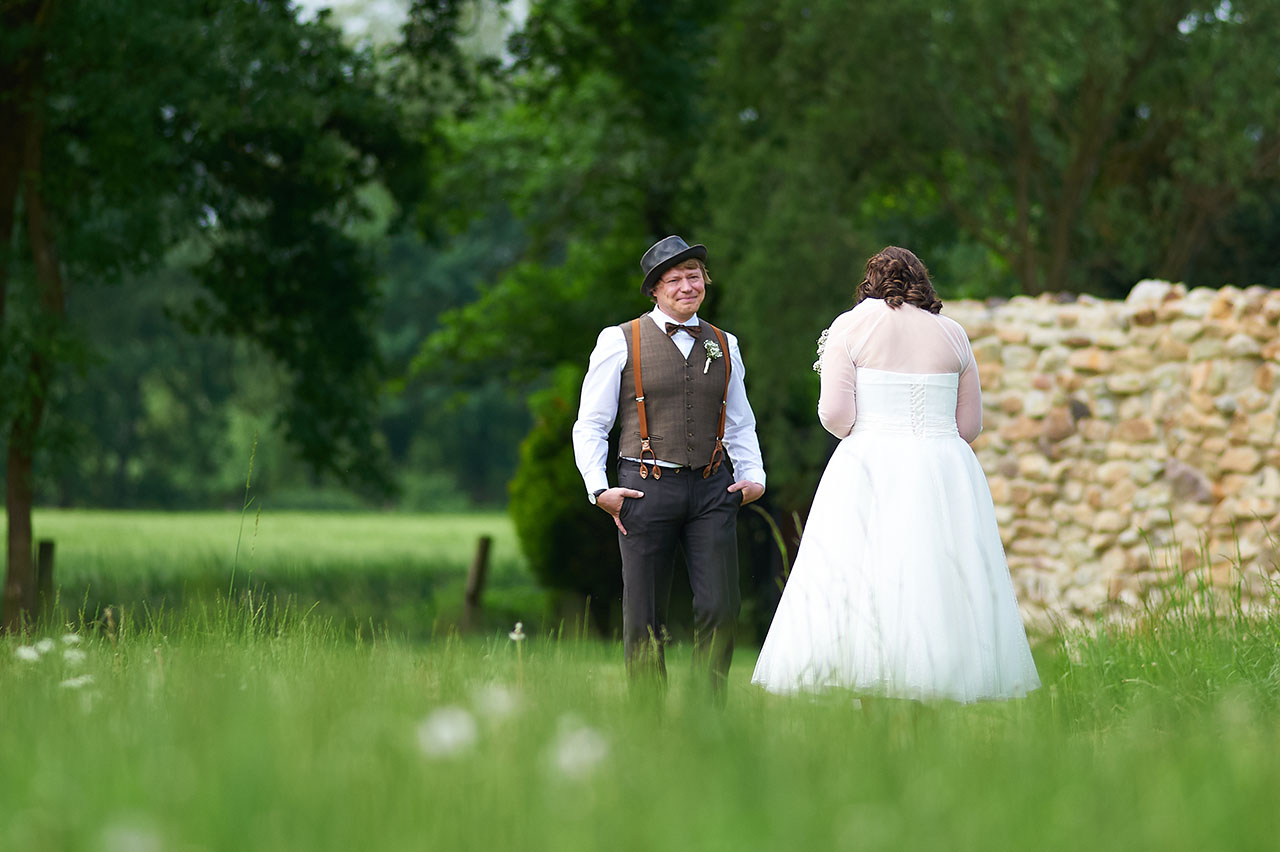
(900, 588)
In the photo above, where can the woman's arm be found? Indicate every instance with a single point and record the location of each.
(837, 404)
(969, 402)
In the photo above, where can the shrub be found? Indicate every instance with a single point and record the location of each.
(569, 544)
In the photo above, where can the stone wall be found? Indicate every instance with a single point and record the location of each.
(1126, 440)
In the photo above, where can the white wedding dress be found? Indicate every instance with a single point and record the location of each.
(900, 587)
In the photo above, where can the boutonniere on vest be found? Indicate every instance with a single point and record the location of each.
(713, 352)
(822, 347)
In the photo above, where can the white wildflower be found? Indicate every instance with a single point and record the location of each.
(44, 646)
(131, 835)
(446, 732)
(74, 656)
(77, 682)
(577, 749)
(495, 701)
(517, 635)
(26, 653)
(71, 639)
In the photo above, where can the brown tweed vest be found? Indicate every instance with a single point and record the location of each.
(682, 403)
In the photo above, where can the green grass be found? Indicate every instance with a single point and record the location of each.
(246, 727)
(257, 733)
(401, 573)
(94, 543)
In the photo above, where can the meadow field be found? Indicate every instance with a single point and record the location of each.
(403, 573)
(247, 728)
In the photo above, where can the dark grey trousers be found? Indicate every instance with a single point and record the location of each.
(701, 517)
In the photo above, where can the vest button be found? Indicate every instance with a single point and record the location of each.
(691, 449)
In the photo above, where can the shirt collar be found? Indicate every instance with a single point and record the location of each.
(661, 319)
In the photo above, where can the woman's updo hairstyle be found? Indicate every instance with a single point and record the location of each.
(896, 275)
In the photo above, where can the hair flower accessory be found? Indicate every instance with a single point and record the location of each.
(713, 352)
(822, 347)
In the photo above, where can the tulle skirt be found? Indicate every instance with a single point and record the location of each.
(900, 587)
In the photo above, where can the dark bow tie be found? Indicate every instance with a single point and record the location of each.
(672, 328)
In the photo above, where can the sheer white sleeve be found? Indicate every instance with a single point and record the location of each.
(969, 402)
(969, 395)
(838, 400)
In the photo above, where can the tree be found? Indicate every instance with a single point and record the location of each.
(1080, 145)
(452, 446)
(1016, 146)
(587, 136)
(146, 419)
(561, 534)
(231, 129)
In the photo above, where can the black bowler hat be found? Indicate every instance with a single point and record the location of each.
(663, 255)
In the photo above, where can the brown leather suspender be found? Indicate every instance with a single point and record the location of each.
(644, 422)
(717, 455)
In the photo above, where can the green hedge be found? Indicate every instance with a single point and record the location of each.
(569, 545)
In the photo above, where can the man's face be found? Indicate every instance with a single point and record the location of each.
(679, 292)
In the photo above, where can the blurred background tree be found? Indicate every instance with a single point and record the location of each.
(586, 133)
(404, 220)
(227, 144)
(1018, 147)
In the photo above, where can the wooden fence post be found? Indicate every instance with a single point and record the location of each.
(44, 576)
(476, 576)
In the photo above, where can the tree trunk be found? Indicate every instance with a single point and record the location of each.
(20, 580)
(1205, 206)
(17, 74)
(19, 599)
(1028, 265)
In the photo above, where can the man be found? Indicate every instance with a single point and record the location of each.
(675, 384)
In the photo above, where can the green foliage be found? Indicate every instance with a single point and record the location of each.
(221, 170)
(448, 446)
(259, 163)
(535, 318)
(176, 429)
(1015, 146)
(244, 138)
(1081, 147)
(586, 138)
(568, 543)
(163, 434)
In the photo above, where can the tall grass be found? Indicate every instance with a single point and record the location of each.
(1195, 645)
(260, 725)
(270, 729)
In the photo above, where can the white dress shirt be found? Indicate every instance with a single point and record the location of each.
(599, 407)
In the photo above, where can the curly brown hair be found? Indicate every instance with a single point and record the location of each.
(896, 275)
